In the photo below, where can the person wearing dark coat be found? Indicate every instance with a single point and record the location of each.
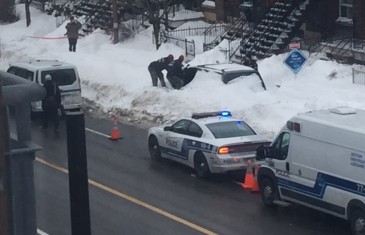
(72, 33)
(156, 67)
(175, 73)
(50, 103)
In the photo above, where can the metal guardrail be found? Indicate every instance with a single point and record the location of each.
(18, 177)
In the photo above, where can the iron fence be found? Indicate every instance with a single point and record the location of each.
(188, 45)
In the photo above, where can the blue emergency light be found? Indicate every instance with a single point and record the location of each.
(226, 114)
(212, 114)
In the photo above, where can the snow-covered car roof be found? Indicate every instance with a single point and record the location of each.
(40, 64)
(225, 67)
(227, 71)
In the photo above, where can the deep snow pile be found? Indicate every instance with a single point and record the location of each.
(116, 80)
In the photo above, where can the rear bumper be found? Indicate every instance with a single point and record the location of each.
(72, 107)
(37, 107)
(225, 164)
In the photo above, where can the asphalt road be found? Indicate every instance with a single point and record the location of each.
(131, 194)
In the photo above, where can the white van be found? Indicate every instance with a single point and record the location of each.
(64, 74)
(318, 160)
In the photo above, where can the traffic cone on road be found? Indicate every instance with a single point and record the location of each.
(115, 134)
(249, 178)
(255, 186)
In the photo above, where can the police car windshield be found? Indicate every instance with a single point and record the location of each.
(230, 129)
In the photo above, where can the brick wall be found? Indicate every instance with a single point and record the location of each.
(219, 8)
(359, 19)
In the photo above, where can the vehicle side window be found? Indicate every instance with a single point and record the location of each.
(181, 127)
(281, 146)
(195, 130)
(21, 73)
(12, 70)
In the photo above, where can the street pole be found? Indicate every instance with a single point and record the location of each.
(115, 22)
(4, 217)
(78, 179)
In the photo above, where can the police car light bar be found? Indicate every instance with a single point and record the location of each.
(211, 114)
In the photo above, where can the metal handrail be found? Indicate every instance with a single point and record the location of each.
(17, 90)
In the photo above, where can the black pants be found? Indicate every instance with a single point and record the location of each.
(176, 82)
(156, 76)
(72, 44)
(50, 115)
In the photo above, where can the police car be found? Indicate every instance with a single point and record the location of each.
(212, 142)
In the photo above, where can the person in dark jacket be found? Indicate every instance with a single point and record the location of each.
(175, 73)
(72, 33)
(156, 67)
(51, 102)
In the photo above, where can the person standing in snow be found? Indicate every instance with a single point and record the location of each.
(175, 73)
(72, 33)
(156, 67)
(51, 102)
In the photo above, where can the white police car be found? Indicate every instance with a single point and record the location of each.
(212, 142)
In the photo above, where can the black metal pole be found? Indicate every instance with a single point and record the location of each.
(78, 179)
(4, 190)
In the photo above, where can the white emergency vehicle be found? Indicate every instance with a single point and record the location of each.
(318, 160)
(64, 74)
(212, 142)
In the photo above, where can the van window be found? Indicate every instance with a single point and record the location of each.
(62, 77)
(281, 146)
(21, 73)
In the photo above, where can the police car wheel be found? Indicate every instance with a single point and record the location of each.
(268, 191)
(201, 166)
(154, 148)
(357, 221)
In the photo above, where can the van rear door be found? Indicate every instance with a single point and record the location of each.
(69, 83)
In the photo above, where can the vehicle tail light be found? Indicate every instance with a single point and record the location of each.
(247, 147)
(223, 150)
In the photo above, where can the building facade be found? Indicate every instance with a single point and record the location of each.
(324, 18)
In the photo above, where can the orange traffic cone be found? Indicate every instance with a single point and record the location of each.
(255, 186)
(249, 179)
(115, 135)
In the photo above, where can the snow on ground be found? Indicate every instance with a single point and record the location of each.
(116, 80)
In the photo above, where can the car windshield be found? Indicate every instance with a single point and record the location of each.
(228, 76)
(230, 129)
(61, 76)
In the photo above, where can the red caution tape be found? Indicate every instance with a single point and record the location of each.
(62, 37)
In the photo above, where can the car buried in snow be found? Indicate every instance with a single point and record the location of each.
(224, 71)
(212, 142)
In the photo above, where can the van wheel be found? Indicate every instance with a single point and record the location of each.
(268, 192)
(201, 166)
(154, 148)
(357, 221)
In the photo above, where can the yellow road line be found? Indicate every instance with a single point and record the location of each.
(134, 200)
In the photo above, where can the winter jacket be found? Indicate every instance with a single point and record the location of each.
(175, 69)
(159, 65)
(53, 96)
(73, 29)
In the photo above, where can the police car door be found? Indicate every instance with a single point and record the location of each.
(174, 140)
